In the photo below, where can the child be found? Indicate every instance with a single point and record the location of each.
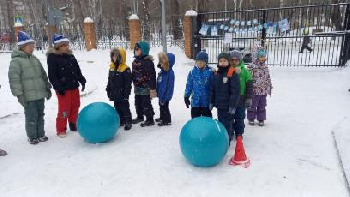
(165, 86)
(262, 86)
(144, 79)
(246, 91)
(119, 86)
(29, 83)
(66, 77)
(198, 85)
(225, 92)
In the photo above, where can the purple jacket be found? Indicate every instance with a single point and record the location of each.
(261, 78)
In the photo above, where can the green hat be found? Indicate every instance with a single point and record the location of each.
(144, 46)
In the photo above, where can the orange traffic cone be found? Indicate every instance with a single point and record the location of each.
(240, 158)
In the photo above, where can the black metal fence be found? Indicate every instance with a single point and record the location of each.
(320, 29)
(108, 35)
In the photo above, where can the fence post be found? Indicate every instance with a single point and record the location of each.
(263, 33)
(189, 20)
(135, 30)
(345, 48)
(89, 34)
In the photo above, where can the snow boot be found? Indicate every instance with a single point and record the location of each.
(43, 139)
(127, 126)
(137, 120)
(158, 120)
(251, 122)
(62, 135)
(33, 141)
(261, 123)
(73, 127)
(2, 152)
(149, 122)
(164, 123)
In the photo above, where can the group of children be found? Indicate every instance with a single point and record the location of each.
(232, 88)
(146, 85)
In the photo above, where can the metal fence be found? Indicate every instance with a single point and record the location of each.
(108, 36)
(282, 31)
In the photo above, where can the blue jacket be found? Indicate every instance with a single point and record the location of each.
(165, 81)
(198, 85)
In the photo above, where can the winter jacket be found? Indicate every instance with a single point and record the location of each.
(143, 75)
(225, 90)
(261, 78)
(246, 83)
(27, 77)
(165, 81)
(64, 70)
(198, 85)
(119, 79)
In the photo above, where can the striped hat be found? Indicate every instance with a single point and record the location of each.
(58, 39)
(24, 39)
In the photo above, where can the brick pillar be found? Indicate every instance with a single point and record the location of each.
(188, 31)
(135, 30)
(18, 27)
(89, 34)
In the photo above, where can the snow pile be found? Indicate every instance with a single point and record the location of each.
(88, 20)
(191, 13)
(342, 136)
(133, 17)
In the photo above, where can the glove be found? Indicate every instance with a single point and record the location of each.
(49, 94)
(153, 93)
(211, 106)
(22, 101)
(231, 110)
(82, 87)
(187, 101)
(248, 102)
(61, 92)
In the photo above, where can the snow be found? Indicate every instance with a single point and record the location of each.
(18, 25)
(133, 17)
(88, 20)
(342, 137)
(293, 155)
(191, 13)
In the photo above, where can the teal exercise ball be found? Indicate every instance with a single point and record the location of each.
(204, 142)
(98, 122)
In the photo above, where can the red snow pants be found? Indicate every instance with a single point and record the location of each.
(68, 108)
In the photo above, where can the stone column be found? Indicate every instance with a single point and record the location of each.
(190, 16)
(89, 34)
(135, 30)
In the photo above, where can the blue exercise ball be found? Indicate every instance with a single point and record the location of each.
(98, 122)
(204, 142)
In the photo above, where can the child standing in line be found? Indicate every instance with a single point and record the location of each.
(165, 86)
(144, 79)
(246, 91)
(225, 92)
(262, 87)
(198, 86)
(119, 86)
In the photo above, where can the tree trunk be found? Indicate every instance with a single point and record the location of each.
(146, 21)
(10, 19)
(175, 19)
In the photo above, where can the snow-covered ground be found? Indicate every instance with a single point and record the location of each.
(293, 155)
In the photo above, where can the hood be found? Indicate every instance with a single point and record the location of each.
(145, 47)
(123, 55)
(171, 59)
(19, 53)
(52, 50)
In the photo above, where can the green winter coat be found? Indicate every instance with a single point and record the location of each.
(244, 77)
(27, 77)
